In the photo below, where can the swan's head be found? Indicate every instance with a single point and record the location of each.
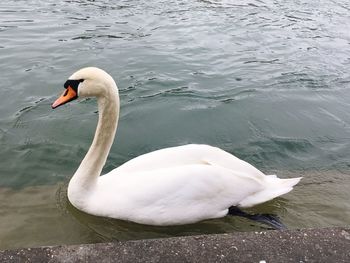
(86, 82)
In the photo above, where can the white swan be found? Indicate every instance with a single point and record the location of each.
(171, 186)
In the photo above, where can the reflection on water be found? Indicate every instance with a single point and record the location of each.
(265, 80)
(31, 217)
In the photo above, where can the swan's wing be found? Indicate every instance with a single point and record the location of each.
(188, 155)
(178, 195)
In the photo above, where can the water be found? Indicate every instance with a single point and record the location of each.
(264, 80)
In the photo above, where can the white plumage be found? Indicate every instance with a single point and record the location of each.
(172, 186)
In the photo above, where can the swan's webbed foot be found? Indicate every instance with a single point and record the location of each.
(267, 219)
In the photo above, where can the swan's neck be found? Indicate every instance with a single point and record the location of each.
(85, 178)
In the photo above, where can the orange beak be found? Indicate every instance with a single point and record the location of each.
(68, 95)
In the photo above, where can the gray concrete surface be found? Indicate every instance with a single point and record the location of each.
(311, 245)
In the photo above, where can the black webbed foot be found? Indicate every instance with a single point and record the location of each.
(267, 219)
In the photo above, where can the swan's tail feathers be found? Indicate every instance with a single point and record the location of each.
(273, 187)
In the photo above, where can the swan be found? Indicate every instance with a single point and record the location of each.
(171, 186)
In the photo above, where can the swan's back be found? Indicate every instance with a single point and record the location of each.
(188, 154)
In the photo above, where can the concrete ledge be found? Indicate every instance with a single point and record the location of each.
(312, 245)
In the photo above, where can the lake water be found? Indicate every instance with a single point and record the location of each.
(268, 81)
